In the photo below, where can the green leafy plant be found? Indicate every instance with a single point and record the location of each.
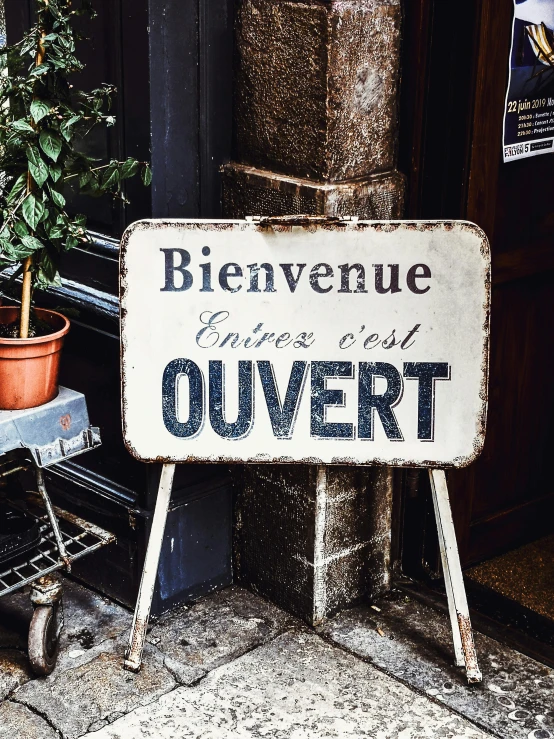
(43, 122)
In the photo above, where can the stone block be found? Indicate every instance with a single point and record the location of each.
(274, 534)
(18, 721)
(97, 690)
(316, 86)
(312, 544)
(295, 687)
(14, 671)
(347, 521)
(254, 192)
(413, 643)
(345, 577)
(217, 630)
(90, 619)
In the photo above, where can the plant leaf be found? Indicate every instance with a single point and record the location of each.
(37, 167)
(66, 127)
(33, 154)
(129, 168)
(146, 175)
(5, 245)
(19, 252)
(70, 243)
(15, 253)
(44, 281)
(84, 178)
(31, 242)
(43, 68)
(49, 267)
(17, 188)
(50, 143)
(57, 197)
(111, 177)
(39, 109)
(32, 210)
(56, 232)
(21, 228)
(22, 126)
(55, 171)
(39, 173)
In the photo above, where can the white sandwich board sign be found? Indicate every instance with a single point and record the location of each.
(306, 340)
(343, 342)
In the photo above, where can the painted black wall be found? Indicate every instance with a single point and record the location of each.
(171, 61)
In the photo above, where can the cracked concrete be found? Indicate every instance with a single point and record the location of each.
(234, 665)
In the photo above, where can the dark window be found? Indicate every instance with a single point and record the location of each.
(116, 52)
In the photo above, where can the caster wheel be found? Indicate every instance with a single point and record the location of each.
(44, 640)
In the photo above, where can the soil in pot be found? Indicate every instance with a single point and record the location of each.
(37, 327)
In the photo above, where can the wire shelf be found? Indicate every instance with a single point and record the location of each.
(80, 538)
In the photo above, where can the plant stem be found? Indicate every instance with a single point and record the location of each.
(95, 169)
(26, 285)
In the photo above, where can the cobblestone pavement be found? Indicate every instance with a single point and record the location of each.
(233, 665)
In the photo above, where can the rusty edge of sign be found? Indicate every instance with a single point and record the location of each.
(311, 224)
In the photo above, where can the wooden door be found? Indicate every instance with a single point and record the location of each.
(454, 86)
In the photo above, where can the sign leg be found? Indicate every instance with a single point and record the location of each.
(462, 633)
(137, 637)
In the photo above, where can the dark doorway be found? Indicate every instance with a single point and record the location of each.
(456, 59)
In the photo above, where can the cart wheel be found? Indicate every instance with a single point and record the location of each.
(44, 640)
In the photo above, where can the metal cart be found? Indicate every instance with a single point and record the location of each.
(52, 539)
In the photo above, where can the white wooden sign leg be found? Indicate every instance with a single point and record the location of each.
(137, 637)
(462, 633)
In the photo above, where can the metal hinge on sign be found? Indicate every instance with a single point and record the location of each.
(300, 220)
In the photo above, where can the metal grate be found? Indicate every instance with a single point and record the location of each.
(80, 538)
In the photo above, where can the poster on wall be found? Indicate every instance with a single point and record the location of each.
(529, 113)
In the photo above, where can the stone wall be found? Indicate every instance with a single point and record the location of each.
(316, 99)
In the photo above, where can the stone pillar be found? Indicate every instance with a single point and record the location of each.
(316, 88)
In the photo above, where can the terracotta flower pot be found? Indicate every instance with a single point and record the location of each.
(29, 367)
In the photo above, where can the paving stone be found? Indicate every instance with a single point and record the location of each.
(14, 671)
(516, 698)
(97, 690)
(216, 630)
(296, 687)
(18, 722)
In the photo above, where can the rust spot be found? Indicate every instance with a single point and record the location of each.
(135, 648)
(65, 422)
(468, 647)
